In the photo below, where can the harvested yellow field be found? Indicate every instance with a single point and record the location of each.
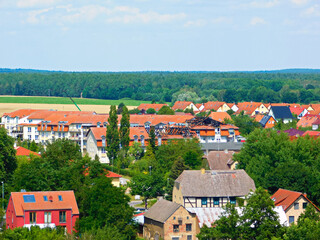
(10, 107)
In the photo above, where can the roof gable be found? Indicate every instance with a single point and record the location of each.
(68, 201)
(281, 112)
(162, 210)
(286, 198)
(219, 183)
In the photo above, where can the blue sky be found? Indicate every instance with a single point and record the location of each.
(165, 35)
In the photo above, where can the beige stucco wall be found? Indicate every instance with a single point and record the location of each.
(296, 212)
(177, 195)
(181, 217)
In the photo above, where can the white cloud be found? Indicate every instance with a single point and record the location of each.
(120, 14)
(264, 4)
(146, 18)
(35, 3)
(196, 23)
(313, 11)
(257, 21)
(221, 20)
(36, 15)
(299, 2)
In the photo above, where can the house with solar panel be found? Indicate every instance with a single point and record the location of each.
(42, 209)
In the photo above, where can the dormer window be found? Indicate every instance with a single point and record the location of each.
(98, 124)
(135, 138)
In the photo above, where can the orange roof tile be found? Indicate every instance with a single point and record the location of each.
(286, 198)
(181, 105)
(146, 106)
(296, 110)
(213, 105)
(311, 133)
(113, 175)
(247, 107)
(307, 120)
(68, 201)
(316, 108)
(220, 116)
(21, 151)
(258, 117)
(20, 113)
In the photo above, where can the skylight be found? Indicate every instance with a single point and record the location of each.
(29, 199)
(45, 198)
(60, 198)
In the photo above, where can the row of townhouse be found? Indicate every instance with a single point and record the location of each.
(199, 198)
(248, 108)
(88, 129)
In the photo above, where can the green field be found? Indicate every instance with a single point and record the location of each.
(66, 100)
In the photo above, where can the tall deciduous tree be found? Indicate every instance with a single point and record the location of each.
(125, 129)
(112, 135)
(8, 161)
(152, 139)
(147, 185)
(177, 168)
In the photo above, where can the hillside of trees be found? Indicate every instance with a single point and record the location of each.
(302, 87)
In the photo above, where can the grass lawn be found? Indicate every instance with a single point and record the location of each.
(150, 203)
(66, 100)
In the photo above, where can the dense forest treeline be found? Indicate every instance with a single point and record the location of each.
(167, 86)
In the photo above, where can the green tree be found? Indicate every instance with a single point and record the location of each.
(192, 159)
(308, 226)
(105, 205)
(8, 161)
(134, 111)
(245, 123)
(147, 185)
(152, 139)
(125, 129)
(112, 135)
(151, 111)
(257, 221)
(33, 146)
(177, 168)
(136, 151)
(165, 110)
(120, 108)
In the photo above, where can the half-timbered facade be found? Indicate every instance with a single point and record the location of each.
(211, 188)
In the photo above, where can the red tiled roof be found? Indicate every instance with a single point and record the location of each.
(311, 133)
(258, 117)
(181, 105)
(146, 106)
(68, 201)
(220, 116)
(156, 119)
(316, 122)
(307, 120)
(286, 198)
(248, 107)
(138, 131)
(316, 108)
(296, 110)
(213, 105)
(113, 175)
(21, 151)
(20, 113)
(98, 132)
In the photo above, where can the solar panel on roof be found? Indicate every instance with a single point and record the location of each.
(29, 199)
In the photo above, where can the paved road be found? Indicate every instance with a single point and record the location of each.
(133, 203)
